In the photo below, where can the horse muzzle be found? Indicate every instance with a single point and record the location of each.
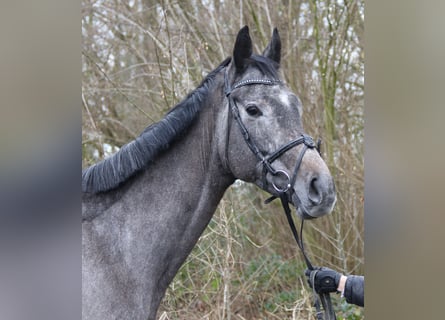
(314, 197)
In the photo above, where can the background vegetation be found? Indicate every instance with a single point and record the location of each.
(139, 58)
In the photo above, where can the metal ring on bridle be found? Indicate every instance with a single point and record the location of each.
(287, 187)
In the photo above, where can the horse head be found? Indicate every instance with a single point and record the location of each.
(262, 139)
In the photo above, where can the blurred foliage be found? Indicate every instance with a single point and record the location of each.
(139, 58)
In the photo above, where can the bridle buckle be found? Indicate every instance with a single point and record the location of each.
(308, 141)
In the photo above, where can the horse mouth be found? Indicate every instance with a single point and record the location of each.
(309, 212)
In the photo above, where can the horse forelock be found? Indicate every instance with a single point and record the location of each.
(266, 66)
(156, 138)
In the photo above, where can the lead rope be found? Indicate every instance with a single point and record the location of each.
(299, 240)
(324, 297)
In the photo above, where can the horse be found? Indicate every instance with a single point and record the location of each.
(145, 207)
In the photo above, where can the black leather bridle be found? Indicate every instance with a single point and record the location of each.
(284, 193)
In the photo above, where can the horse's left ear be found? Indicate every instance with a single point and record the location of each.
(273, 49)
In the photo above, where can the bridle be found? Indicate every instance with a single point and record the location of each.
(285, 192)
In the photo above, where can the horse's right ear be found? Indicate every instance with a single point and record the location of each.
(243, 48)
(273, 49)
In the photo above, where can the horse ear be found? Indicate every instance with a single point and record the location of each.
(243, 48)
(273, 49)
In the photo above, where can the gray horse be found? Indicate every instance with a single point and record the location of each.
(145, 207)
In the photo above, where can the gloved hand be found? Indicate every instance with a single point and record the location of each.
(325, 280)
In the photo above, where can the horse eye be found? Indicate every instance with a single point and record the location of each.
(253, 111)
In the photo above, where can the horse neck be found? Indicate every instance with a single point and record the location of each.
(182, 191)
(188, 163)
(192, 165)
(151, 223)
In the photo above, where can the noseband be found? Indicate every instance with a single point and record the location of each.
(285, 192)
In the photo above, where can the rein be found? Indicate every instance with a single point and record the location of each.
(283, 192)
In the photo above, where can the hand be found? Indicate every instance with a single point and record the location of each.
(325, 280)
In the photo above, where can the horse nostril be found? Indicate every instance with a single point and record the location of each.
(315, 195)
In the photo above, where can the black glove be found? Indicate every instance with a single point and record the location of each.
(325, 280)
